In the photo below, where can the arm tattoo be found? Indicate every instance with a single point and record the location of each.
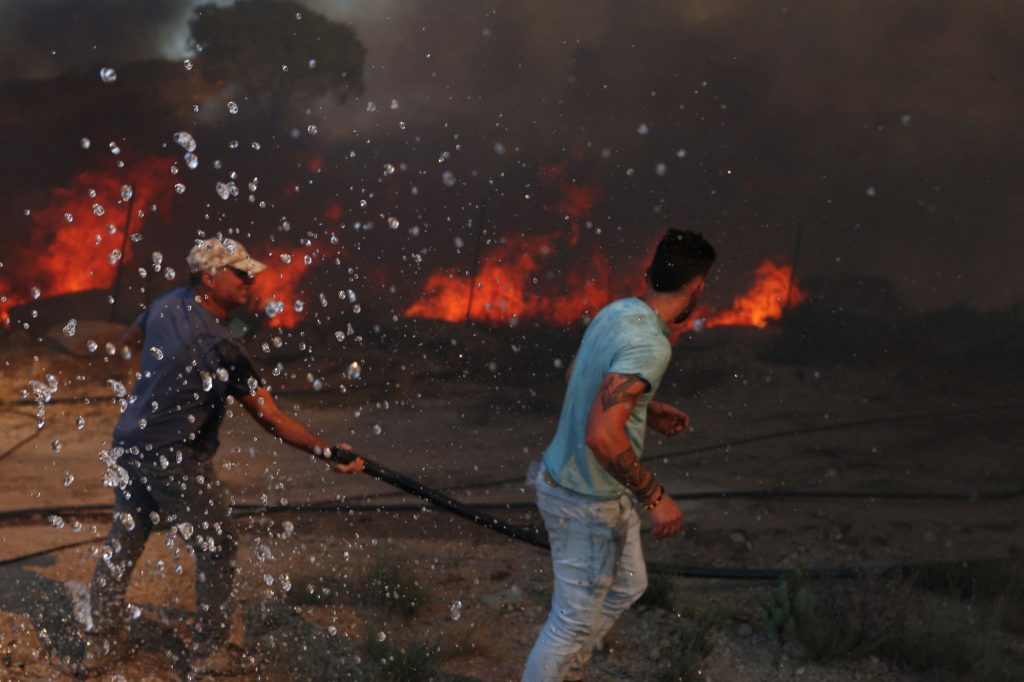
(630, 472)
(613, 393)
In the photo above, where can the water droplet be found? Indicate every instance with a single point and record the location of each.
(55, 521)
(34, 291)
(207, 380)
(354, 371)
(393, 222)
(185, 528)
(268, 579)
(680, 153)
(191, 160)
(370, 106)
(108, 75)
(870, 191)
(126, 192)
(91, 345)
(381, 636)
(339, 335)
(80, 422)
(389, 169)
(142, 423)
(274, 308)
(444, 157)
(69, 478)
(157, 352)
(660, 169)
(448, 178)
(188, 64)
(85, 142)
(312, 63)
(56, 445)
(642, 129)
(98, 210)
(232, 108)
(377, 430)
(312, 129)
(69, 218)
(114, 256)
(185, 141)
(169, 274)
(223, 191)
(455, 610)
(114, 149)
(69, 328)
(299, 306)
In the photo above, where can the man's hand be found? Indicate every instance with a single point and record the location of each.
(666, 518)
(666, 420)
(354, 467)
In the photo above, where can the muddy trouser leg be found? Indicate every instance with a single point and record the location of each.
(586, 543)
(127, 538)
(629, 583)
(196, 503)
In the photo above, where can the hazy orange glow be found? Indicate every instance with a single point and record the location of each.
(62, 257)
(764, 301)
(280, 282)
(507, 286)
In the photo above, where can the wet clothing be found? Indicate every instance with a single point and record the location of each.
(189, 365)
(626, 337)
(592, 519)
(160, 464)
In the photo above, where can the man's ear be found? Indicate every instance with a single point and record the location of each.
(206, 277)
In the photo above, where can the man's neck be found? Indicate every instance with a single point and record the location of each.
(203, 298)
(667, 306)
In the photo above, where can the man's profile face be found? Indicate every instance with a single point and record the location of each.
(229, 286)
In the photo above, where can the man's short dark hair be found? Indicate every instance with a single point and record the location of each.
(681, 256)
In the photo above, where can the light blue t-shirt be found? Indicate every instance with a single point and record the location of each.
(626, 337)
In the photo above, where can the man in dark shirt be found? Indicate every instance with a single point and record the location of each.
(159, 465)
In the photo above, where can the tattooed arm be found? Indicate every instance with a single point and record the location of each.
(606, 437)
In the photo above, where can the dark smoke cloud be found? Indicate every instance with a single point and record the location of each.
(887, 130)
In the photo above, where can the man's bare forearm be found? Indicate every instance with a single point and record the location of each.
(626, 468)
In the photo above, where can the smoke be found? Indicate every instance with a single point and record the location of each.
(887, 130)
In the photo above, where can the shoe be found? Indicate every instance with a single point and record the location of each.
(103, 650)
(226, 660)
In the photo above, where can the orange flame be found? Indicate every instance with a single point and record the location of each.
(505, 288)
(279, 284)
(70, 240)
(764, 301)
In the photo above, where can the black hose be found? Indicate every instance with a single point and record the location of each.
(438, 499)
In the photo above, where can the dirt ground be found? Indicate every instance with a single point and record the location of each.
(757, 426)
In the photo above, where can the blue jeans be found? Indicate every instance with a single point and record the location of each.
(599, 572)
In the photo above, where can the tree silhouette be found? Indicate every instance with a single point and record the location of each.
(277, 51)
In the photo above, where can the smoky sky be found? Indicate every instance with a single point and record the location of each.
(884, 132)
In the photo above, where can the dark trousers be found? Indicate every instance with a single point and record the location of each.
(189, 497)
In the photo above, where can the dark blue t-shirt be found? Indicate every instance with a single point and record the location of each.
(189, 365)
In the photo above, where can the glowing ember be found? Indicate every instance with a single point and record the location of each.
(506, 287)
(763, 302)
(74, 243)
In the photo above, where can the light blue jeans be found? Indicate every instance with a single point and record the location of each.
(599, 572)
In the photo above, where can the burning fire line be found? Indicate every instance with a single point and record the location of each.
(763, 302)
(506, 288)
(74, 242)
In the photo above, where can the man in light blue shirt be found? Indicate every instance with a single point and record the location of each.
(592, 482)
